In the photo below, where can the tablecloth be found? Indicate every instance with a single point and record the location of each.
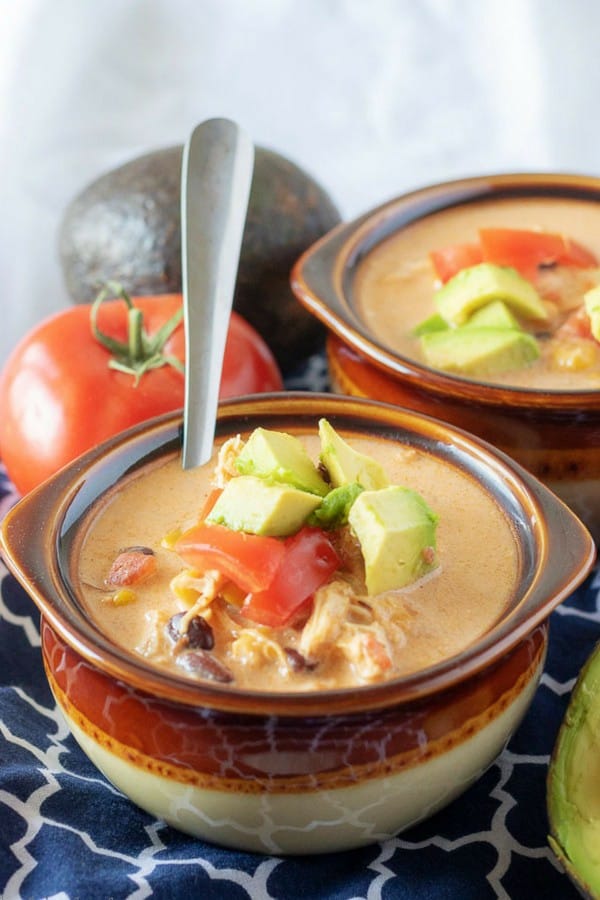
(65, 832)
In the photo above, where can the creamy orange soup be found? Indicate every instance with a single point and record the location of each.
(395, 284)
(429, 621)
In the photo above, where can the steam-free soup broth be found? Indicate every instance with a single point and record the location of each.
(362, 639)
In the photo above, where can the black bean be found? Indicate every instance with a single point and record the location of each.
(203, 665)
(298, 662)
(199, 634)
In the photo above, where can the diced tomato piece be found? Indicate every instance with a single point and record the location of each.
(131, 566)
(309, 561)
(450, 260)
(249, 560)
(526, 250)
(576, 325)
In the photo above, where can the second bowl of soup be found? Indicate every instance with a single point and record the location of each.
(476, 301)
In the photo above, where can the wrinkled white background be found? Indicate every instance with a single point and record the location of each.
(370, 97)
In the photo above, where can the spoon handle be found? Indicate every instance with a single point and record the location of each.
(217, 166)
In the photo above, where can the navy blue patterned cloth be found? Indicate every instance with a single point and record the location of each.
(65, 832)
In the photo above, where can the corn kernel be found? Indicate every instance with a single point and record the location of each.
(170, 539)
(123, 596)
(575, 356)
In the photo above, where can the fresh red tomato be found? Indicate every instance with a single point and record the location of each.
(450, 260)
(309, 561)
(249, 560)
(63, 390)
(526, 250)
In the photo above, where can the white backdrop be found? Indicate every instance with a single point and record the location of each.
(370, 96)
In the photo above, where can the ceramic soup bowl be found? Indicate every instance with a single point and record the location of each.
(296, 771)
(381, 262)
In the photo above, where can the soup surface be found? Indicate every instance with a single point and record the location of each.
(396, 283)
(360, 640)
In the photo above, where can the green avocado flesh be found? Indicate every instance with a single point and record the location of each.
(574, 783)
(279, 490)
(471, 350)
(472, 288)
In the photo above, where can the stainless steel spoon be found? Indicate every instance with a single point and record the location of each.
(217, 166)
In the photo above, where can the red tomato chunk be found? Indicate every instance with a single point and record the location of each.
(249, 560)
(309, 562)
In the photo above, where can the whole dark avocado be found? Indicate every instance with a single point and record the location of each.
(125, 227)
(574, 784)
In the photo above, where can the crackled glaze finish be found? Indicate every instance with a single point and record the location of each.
(283, 784)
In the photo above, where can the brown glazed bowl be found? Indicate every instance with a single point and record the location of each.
(554, 434)
(304, 772)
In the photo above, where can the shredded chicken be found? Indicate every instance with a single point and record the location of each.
(361, 630)
(151, 644)
(392, 614)
(225, 469)
(367, 649)
(330, 610)
(254, 647)
(197, 591)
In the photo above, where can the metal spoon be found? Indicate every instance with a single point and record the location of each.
(217, 166)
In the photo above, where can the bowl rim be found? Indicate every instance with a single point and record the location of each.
(555, 530)
(320, 276)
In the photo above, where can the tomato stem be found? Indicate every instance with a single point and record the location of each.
(141, 351)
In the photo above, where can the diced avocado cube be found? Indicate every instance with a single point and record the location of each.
(592, 306)
(345, 464)
(479, 351)
(493, 315)
(396, 530)
(282, 458)
(256, 506)
(335, 506)
(434, 322)
(472, 288)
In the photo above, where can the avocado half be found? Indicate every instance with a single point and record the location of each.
(126, 227)
(574, 783)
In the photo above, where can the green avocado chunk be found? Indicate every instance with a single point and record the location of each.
(573, 788)
(592, 306)
(479, 285)
(256, 506)
(493, 315)
(477, 351)
(396, 530)
(280, 457)
(434, 322)
(334, 508)
(345, 464)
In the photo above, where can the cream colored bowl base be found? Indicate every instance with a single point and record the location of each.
(313, 822)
